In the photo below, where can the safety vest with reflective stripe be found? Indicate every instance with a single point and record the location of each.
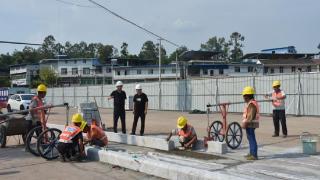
(277, 102)
(255, 122)
(69, 133)
(187, 133)
(98, 134)
(40, 113)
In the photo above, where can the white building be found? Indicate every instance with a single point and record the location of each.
(23, 74)
(146, 73)
(78, 70)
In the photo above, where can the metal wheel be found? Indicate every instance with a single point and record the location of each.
(215, 131)
(234, 135)
(47, 144)
(32, 139)
(3, 137)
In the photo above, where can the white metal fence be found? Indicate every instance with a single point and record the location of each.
(184, 95)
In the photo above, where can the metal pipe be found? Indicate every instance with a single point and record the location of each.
(232, 103)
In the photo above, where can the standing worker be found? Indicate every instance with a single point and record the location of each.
(251, 121)
(37, 117)
(187, 134)
(140, 108)
(279, 114)
(119, 97)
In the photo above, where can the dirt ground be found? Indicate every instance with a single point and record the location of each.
(161, 122)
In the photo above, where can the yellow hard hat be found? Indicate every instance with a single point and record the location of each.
(276, 83)
(182, 121)
(42, 88)
(83, 125)
(77, 118)
(248, 91)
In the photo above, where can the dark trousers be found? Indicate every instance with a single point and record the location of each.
(252, 142)
(135, 122)
(122, 115)
(279, 115)
(68, 149)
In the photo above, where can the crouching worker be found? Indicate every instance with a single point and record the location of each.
(96, 136)
(187, 134)
(70, 144)
(250, 121)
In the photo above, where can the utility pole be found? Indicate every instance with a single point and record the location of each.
(160, 93)
(176, 65)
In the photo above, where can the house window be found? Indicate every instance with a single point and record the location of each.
(139, 71)
(174, 71)
(163, 71)
(281, 69)
(98, 70)
(150, 71)
(64, 71)
(86, 70)
(118, 73)
(75, 61)
(205, 72)
(66, 61)
(250, 69)
(108, 70)
(211, 72)
(293, 69)
(309, 69)
(220, 71)
(265, 70)
(84, 61)
(126, 72)
(74, 71)
(271, 70)
(236, 69)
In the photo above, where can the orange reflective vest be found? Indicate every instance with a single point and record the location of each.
(97, 132)
(255, 122)
(277, 101)
(187, 133)
(69, 133)
(40, 113)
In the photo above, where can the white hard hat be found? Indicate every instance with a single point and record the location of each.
(138, 86)
(119, 83)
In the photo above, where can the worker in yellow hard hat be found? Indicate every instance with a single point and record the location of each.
(70, 144)
(186, 133)
(37, 117)
(278, 102)
(250, 120)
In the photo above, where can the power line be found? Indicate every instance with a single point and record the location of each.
(24, 43)
(74, 4)
(140, 27)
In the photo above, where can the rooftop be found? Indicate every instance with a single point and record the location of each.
(277, 56)
(198, 55)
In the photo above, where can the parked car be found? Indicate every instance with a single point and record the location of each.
(18, 102)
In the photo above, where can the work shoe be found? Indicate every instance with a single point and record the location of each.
(246, 156)
(284, 136)
(62, 158)
(275, 135)
(251, 158)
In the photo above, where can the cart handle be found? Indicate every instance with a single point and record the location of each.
(231, 103)
(34, 109)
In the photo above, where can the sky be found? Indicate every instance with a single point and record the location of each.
(264, 23)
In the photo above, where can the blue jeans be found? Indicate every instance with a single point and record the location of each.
(252, 142)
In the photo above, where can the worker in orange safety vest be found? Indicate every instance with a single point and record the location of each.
(70, 144)
(96, 135)
(186, 133)
(278, 102)
(250, 121)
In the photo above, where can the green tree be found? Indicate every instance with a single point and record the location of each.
(319, 47)
(149, 51)
(124, 53)
(48, 47)
(236, 40)
(105, 52)
(48, 76)
(164, 57)
(176, 54)
(218, 45)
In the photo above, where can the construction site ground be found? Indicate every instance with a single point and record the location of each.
(279, 158)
